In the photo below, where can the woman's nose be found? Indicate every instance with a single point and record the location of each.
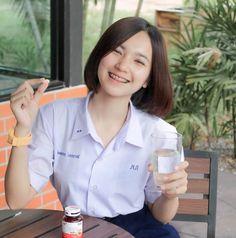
(122, 64)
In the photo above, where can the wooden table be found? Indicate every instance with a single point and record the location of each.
(29, 223)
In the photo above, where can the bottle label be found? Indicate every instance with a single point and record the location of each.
(72, 230)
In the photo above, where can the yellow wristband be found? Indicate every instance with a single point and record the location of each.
(18, 141)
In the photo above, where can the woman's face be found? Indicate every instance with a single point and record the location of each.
(126, 69)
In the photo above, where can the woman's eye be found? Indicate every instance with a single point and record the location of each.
(140, 62)
(117, 51)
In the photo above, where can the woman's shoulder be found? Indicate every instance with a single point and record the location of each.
(152, 121)
(63, 105)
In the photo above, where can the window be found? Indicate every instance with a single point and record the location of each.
(36, 40)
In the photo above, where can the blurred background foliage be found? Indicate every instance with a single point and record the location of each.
(204, 73)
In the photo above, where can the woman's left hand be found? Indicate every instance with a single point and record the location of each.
(175, 183)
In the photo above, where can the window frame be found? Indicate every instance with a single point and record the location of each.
(66, 44)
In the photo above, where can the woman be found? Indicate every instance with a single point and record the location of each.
(95, 150)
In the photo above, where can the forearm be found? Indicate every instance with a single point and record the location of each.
(24, 105)
(164, 209)
(17, 184)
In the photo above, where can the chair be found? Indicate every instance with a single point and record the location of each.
(199, 203)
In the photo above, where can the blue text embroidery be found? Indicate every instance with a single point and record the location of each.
(68, 155)
(134, 167)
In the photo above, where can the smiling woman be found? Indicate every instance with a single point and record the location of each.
(96, 149)
(128, 65)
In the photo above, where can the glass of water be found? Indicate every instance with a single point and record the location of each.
(166, 154)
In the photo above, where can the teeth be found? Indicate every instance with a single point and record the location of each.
(122, 80)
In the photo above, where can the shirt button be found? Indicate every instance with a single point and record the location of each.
(95, 187)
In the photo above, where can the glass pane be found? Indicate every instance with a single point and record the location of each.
(24, 42)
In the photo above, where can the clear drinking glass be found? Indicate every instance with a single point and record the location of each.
(166, 154)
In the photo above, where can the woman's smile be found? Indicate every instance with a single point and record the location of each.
(117, 78)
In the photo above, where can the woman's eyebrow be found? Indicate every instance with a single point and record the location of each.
(137, 53)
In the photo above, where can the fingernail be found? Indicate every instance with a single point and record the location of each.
(45, 80)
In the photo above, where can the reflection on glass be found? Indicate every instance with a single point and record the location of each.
(24, 41)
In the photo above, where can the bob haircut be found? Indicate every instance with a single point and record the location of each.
(156, 98)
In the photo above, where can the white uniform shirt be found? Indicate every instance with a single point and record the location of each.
(102, 181)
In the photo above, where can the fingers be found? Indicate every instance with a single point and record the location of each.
(41, 89)
(174, 192)
(28, 85)
(178, 174)
(22, 101)
(174, 189)
(25, 90)
(175, 180)
(25, 95)
(182, 165)
(175, 183)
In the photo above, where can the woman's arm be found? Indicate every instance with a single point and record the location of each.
(174, 184)
(24, 105)
(17, 184)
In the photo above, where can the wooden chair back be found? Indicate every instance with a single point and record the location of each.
(199, 203)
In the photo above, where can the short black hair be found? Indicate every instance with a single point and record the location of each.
(157, 97)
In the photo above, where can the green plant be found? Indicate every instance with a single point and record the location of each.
(205, 71)
(36, 16)
(188, 87)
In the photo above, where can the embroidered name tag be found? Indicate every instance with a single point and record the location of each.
(69, 155)
(73, 156)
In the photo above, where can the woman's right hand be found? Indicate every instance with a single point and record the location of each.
(24, 104)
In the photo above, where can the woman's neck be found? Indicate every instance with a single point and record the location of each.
(107, 108)
(108, 115)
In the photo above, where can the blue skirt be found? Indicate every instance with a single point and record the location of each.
(142, 224)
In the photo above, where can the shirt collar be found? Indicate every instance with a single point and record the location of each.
(134, 133)
(81, 126)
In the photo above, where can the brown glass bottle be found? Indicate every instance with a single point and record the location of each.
(72, 223)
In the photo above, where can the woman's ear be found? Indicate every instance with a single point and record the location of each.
(145, 84)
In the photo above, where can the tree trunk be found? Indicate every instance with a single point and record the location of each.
(234, 125)
(206, 115)
(112, 12)
(85, 10)
(36, 32)
(105, 16)
(140, 3)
